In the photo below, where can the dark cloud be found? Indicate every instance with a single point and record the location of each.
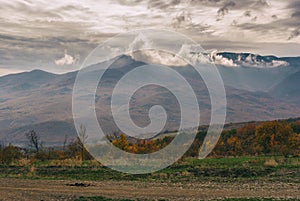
(295, 6)
(247, 13)
(226, 5)
(249, 4)
(225, 9)
(279, 25)
(261, 3)
(294, 34)
(296, 14)
(223, 5)
(162, 4)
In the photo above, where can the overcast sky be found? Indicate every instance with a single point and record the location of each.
(57, 35)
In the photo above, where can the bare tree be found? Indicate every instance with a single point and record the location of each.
(65, 142)
(34, 140)
(82, 137)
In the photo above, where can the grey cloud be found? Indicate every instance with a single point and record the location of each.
(296, 14)
(261, 3)
(162, 4)
(30, 10)
(225, 9)
(254, 19)
(127, 2)
(279, 25)
(183, 17)
(295, 19)
(249, 4)
(210, 3)
(221, 4)
(158, 4)
(44, 30)
(294, 34)
(256, 27)
(25, 53)
(295, 6)
(226, 5)
(247, 13)
(40, 10)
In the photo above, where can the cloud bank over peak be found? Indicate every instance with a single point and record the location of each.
(143, 49)
(218, 59)
(149, 54)
(66, 60)
(245, 60)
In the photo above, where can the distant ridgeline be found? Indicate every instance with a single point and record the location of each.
(258, 88)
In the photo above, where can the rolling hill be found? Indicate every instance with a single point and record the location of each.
(289, 89)
(43, 101)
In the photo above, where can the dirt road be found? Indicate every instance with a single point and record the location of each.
(22, 189)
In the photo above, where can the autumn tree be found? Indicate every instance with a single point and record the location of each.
(234, 146)
(294, 144)
(273, 137)
(121, 142)
(246, 135)
(9, 153)
(296, 127)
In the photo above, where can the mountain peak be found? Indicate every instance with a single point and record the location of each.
(26, 80)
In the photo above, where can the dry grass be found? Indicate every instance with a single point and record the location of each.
(271, 163)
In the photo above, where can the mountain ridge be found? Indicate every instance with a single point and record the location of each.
(49, 100)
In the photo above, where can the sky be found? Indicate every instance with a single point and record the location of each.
(56, 36)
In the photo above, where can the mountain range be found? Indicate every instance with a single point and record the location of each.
(257, 88)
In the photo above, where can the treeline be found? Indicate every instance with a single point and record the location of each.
(267, 138)
(36, 151)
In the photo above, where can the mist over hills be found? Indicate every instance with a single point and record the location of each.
(258, 88)
(288, 89)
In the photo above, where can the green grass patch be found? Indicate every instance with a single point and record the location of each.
(241, 168)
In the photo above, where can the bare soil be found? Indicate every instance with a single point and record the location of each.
(26, 189)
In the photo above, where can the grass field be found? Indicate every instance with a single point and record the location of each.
(241, 168)
(267, 178)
